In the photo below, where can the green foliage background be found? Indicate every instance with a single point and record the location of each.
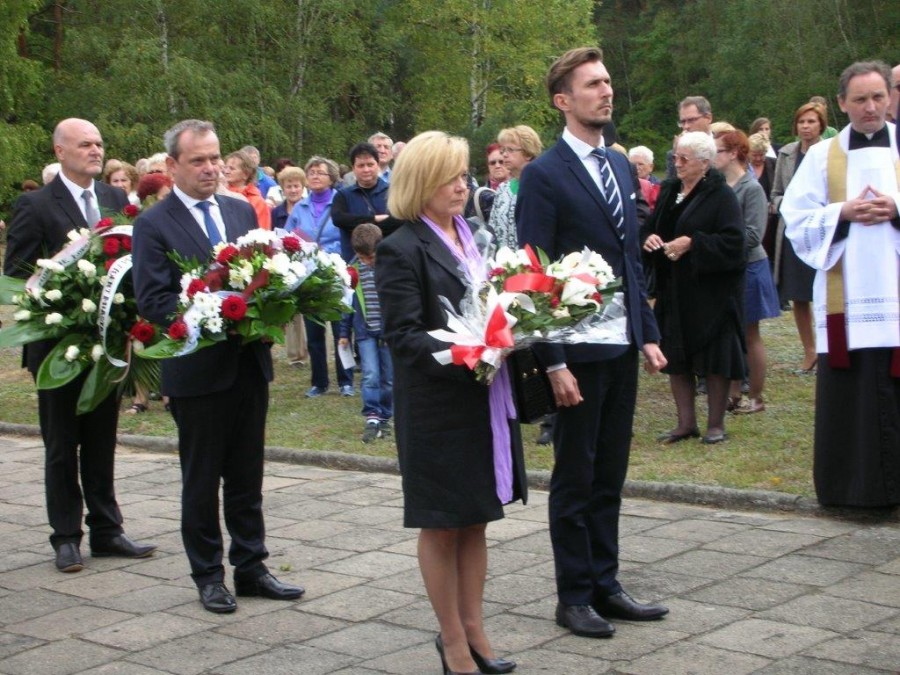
(297, 77)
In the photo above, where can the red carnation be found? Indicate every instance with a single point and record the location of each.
(178, 330)
(126, 243)
(111, 246)
(131, 211)
(354, 276)
(554, 302)
(103, 222)
(291, 244)
(196, 286)
(234, 307)
(227, 254)
(142, 331)
(109, 262)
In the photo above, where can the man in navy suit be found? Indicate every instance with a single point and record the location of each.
(219, 395)
(575, 195)
(40, 223)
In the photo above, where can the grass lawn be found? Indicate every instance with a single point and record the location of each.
(771, 450)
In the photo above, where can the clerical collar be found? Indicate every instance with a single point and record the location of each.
(879, 139)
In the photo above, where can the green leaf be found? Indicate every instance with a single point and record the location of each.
(10, 286)
(56, 371)
(24, 332)
(101, 381)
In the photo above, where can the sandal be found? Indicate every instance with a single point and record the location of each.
(136, 408)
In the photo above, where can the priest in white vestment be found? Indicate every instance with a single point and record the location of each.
(841, 212)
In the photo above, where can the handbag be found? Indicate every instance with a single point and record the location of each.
(532, 391)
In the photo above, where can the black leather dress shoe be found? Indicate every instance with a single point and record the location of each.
(492, 666)
(121, 547)
(217, 599)
(68, 558)
(623, 606)
(267, 586)
(583, 620)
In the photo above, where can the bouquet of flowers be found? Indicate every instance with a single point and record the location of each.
(83, 298)
(528, 299)
(252, 288)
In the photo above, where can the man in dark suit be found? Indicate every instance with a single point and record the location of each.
(40, 223)
(575, 195)
(219, 395)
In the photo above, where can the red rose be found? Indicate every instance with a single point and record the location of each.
(195, 287)
(131, 211)
(103, 222)
(354, 276)
(498, 272)
(596, 297)
(111, 246)
(554, 302)
(109, 262)
(291, 243)
(227, 254)
(234, 307)
(142, 331)
(178, 330)
(126, 243)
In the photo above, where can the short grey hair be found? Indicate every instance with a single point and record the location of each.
(380, 135)
(173, 135)
(49, 172)
(334, 173)
(641, 151)
(702, 104)
(700, 143)
(863, 68)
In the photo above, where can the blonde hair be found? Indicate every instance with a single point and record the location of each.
(758, 143)
(430, 160)
(291, 173)
(718, 128)
(523, 136)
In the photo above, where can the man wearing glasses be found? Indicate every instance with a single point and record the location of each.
(694, 114)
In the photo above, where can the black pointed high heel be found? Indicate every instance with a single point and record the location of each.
(491, 666)
(439, 645)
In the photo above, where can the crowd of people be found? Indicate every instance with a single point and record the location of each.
(739, 229)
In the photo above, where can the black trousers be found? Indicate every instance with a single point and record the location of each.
(221, 437)
(74, 444)
(591, 446)
(318, 355)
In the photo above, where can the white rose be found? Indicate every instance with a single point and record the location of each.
(88, 306)
(53, 318)
(53, 295)
(96, 352)
(72, 353)
(505, 257)
(87, 268)
(48, 264)
(577, 292)
(137, 346)
(73, 235)
(16, 299)
(560, 313)
(22, 315)
(102, 280)
(278, 263)
(118, 299)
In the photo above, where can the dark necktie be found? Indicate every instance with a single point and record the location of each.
(610, 191)
(212, 230)
(91, 214)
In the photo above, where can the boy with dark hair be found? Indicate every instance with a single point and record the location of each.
(365, 324)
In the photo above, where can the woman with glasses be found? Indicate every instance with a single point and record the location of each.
(497, 171)
(696, 238)
(457, 440)
(518, 146)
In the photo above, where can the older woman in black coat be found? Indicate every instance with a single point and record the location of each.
(696, 235)
(458, 443)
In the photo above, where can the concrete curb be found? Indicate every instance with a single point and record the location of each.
(684, 493)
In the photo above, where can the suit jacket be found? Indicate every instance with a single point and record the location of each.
(41, 220)
(169, 226)
(561, 210)
(413, 269)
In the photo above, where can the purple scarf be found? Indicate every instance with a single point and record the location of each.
(319, 201)
(499, 391)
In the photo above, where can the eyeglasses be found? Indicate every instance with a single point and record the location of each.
(494, 162)
(721, 150)
(508, 150)
(689, 120)
(154, 171)
(683, 158)
(324, 174)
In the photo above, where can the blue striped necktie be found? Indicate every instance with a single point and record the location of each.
(212, 230)
(610, 190)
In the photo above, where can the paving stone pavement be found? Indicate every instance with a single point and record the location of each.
(749, 592)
